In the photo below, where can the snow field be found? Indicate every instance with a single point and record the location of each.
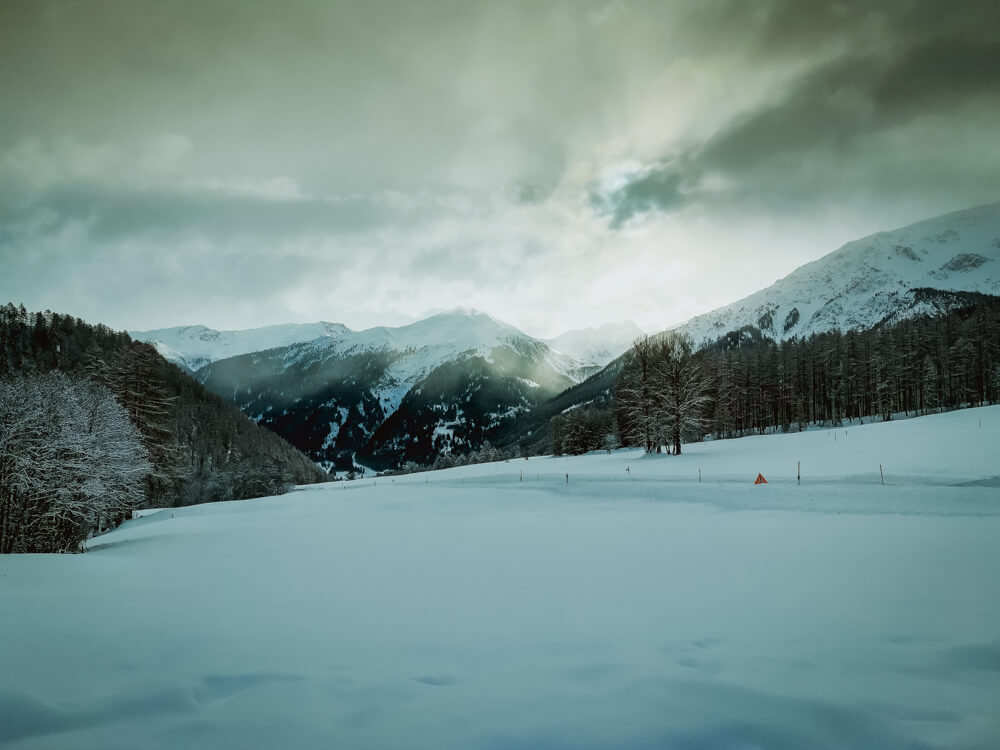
(468, 608)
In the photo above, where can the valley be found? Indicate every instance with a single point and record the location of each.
(502, 605)
(382, 398)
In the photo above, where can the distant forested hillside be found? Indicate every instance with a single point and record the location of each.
(914, 366)
(747, 383)
(590, 400)
(77, 400)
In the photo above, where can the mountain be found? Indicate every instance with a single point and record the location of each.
(446, 384)
(531, 429)
(929, 269)
(599, 345)
(887, 276)
(193, 347)
(382, 396)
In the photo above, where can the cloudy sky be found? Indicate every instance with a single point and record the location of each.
(557, 164)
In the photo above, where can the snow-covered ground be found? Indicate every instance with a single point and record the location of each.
(630, 607)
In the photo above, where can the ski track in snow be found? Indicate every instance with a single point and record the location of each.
(500, 606)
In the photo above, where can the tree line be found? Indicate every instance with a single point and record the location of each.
(93, 424)
(746, 383)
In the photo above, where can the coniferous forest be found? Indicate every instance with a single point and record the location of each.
(746, 383)
(93, 424)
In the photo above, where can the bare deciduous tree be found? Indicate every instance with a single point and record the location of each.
(637, 394)
(664, 392)
(683, 387)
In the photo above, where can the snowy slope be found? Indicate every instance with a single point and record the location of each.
(871, 279)
(599, 345)
(428, 343)
(498, 606)
(193, 347)
(395, 394)
(438, 338)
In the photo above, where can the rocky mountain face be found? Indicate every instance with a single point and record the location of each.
(380, 397)
(888, 276)
(193, 347)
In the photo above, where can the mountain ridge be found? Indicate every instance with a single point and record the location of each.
(452, 380)
(869, 279)
(384, 395)
(195, 346)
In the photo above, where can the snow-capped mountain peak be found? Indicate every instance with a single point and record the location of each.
(195, 346)
(599, 344)
(460, 329)
(386, 393)
(439, 337)
(880, 277)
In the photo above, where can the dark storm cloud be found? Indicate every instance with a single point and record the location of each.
(658, 188)
(827, 130)
(852, 97)
(528, 192)
(345, 96)
(115, 213)
(811, 29)
(383, 154)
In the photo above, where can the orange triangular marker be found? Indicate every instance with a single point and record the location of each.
(760, 479)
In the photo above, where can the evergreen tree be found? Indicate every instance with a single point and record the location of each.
(929, 391)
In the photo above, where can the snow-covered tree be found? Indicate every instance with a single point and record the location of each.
(70, 462)
(610, 442)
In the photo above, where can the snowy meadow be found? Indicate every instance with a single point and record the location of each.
(602, 601)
